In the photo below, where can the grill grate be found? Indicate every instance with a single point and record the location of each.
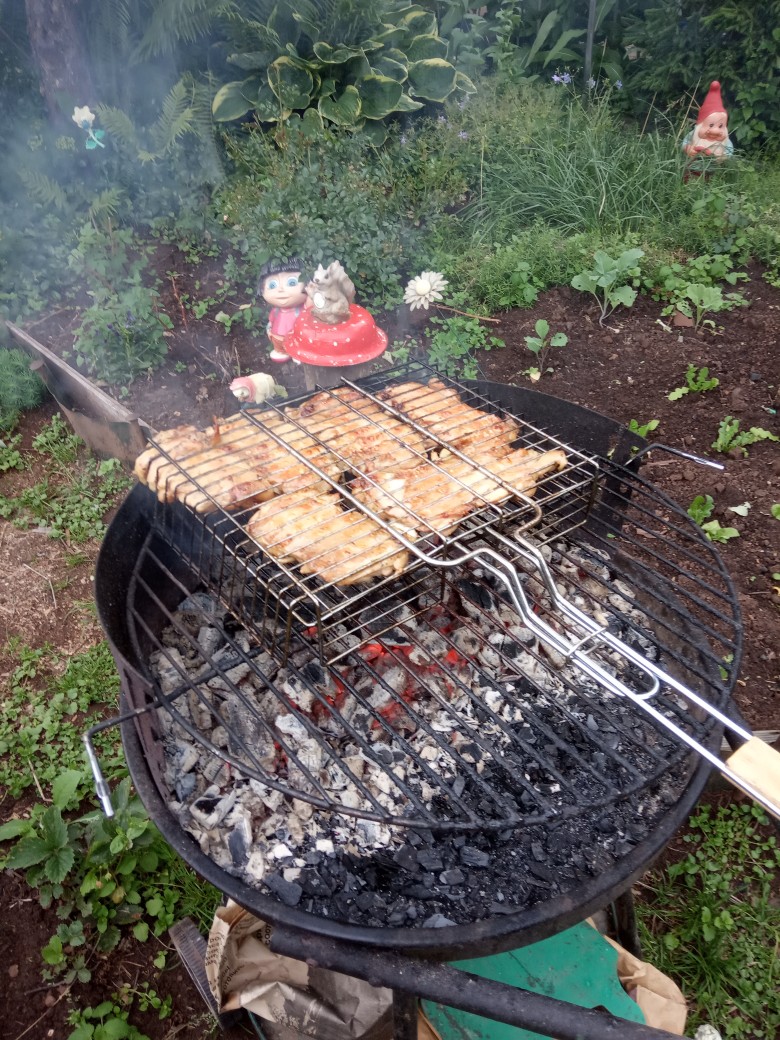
(276, 598)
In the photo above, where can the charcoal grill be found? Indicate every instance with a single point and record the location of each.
(574, 760)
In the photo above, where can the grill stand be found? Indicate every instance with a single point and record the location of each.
(410, 979)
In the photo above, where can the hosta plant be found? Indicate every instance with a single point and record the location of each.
(347, 63)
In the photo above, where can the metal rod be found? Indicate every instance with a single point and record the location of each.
(404, 1015)
(461, 989)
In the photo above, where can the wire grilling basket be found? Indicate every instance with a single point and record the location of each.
(276, 597)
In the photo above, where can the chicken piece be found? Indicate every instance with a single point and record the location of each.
(416, 501)
(234, 463)
(340, 546)
(518, 472)
(436, 497)
(440, 410)
(358, 429)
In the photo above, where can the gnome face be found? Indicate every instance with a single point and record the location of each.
(714, 127)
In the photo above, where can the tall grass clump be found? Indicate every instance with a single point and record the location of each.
(582, 172)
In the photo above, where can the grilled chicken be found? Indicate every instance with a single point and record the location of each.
(435, 497)
(365, 435)
(233, 464)
(439, 409)
(341, 546)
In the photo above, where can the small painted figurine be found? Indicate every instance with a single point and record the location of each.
(281, 287)
(710, 137)
(331, 292)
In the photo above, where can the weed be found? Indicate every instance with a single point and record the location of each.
(712, 922)
(452, 346)
(107, 1021)
(696, 300)
(701, 509)
(44, 714)
(775, 510)
(58, 442)
(10, 456)
(730, 438)
(645, 428)
(20, 388)
(716, 533)
(697, 380)
(540, 345)
(608, 280)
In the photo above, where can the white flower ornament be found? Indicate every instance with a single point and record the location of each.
(84, 118)
(425, 289)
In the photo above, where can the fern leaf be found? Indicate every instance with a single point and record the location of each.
(43, 189)
(175, 20)
(119, 125)
(106, 204)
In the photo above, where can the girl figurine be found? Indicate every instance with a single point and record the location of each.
(281, 287)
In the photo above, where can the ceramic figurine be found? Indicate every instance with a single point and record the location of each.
(253, 389)
(333, 332)
(281, 287)
(331, 292)
(710, 137)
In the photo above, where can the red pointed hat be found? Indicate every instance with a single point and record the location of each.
(712, 103)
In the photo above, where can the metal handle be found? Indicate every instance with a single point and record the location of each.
(573, 648)
(102, 789)
(698, 459)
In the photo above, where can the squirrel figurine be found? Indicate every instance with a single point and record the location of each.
(331, 292)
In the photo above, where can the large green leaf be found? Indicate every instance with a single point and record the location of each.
(338, 55)
(544, 31)
(432, 79)
(284, 24)
(64, 786)
(417, 20)
(58, 863)
(560, 51)
(267, 106)
(27, 853)
(407, 104)
(387, 67)
(343, 110)
(462, 82)
(292, 85)
(248, 60)
(234, 100)
(379, 96)
(375, 132)
(425, 46)
(389, 36)
(312, 123)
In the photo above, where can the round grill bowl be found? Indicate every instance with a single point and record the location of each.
(125, 553)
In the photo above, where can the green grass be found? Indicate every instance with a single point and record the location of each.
(712, 922)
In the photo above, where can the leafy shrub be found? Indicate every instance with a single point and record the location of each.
(20, 388)
(323, 200)
(453, 345)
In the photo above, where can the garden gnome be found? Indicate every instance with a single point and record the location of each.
(253, 389)
(710, 137)
(283, 290)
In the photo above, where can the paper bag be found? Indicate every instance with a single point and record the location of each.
(660, 999)
(243, 973)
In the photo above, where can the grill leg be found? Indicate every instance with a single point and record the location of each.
(624, 914)
(404, 1015)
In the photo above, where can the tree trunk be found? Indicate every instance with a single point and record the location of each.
(58, 51)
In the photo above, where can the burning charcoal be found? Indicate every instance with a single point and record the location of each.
(209, 640)
(324, 845)
(170, 670)
(471, 857)
(185, 786)
(239, 841)
(287, 892)
(219, 737)
(299, 693)
(467, 642)
(211, 809)
(280, 851)
(437, 921)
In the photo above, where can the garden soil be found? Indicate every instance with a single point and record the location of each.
(624, 368)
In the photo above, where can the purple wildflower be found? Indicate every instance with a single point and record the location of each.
(442, 118)
(566, 78)
(463, 135)
(591, 83)
(619, 84)
(402, 139)
(557, 79)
